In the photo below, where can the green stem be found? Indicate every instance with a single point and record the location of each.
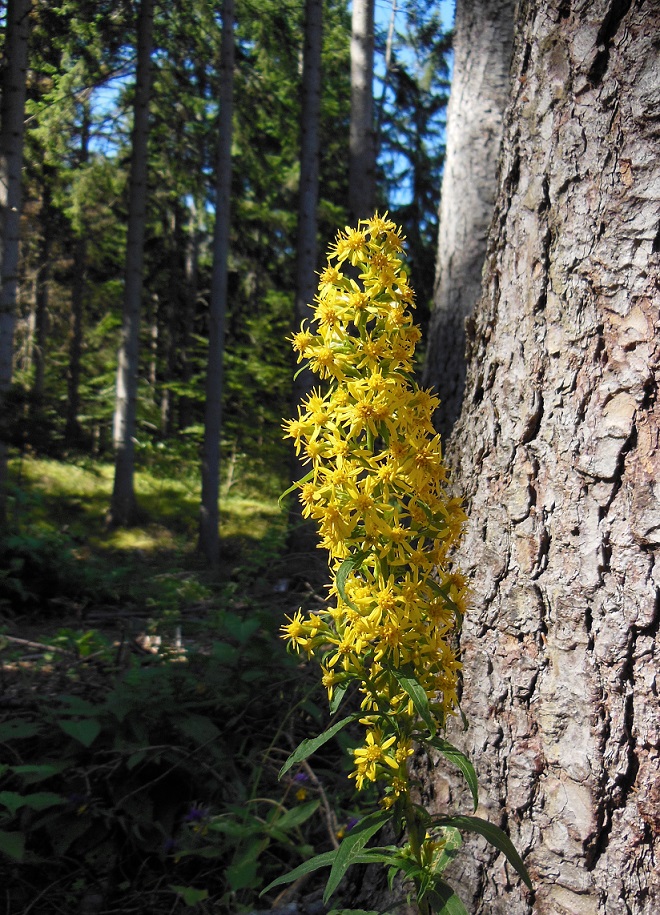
(416, 834)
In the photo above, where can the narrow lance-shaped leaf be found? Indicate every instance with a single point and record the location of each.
(294, 486)
(409, 682)
(324, 860)
(352, 846)
(461, 761)
(495, 836)
(444, 900)
(311, 744)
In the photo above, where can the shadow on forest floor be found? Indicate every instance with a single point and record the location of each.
(150, 703)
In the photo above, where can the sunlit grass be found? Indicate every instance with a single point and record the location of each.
(75, 497)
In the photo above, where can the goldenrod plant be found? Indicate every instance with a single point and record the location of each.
(377, 488)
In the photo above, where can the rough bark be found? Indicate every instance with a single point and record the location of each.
(209, 537)
(12, 129)
(483, 41)
(301, 533)
(123, 506)
(557, 454)
(362, 138)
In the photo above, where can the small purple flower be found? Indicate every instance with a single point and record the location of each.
(301, 778)
(351, 822)
(196, 815)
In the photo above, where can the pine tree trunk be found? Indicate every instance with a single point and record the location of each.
(557, 454)
(185, 415)
(209, 536)
(362, 140)
(302, 537)
(123, 505)
(72, 430)
(41, 294)
(483, 40)
(11, 160)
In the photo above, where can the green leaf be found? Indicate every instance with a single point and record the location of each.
(495, 836)
(32, 773)
(207, 851)
(11, 800)
(324, 860)
(408, 681)
(198, 727)
(17, 728)
(338, 695)
(12, 844)
(40, 800)
(243, 874)
(352, 847)
(296, 485)
(444, 900)
(311, 744)
(84, 731)
(461, 761)
(190, 895)
(135, 759)
(348, 565)
(453, 842)
(297, 815)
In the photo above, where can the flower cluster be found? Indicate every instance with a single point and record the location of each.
(376, 487)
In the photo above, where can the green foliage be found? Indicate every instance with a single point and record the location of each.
(155, 771)
(150, 778)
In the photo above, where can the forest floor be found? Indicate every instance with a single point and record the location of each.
(148, 703)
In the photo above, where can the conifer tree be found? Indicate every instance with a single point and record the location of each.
(362, 153)
(13, 88)
(300, 535)
(209, 539)
(123, 505)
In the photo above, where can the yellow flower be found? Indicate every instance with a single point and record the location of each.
(373, 754)
(377, 492)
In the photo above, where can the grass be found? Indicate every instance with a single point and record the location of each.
(73, 497)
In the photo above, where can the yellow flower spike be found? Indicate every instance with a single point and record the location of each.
(377, 492)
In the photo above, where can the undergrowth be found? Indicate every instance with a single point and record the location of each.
(148, 705)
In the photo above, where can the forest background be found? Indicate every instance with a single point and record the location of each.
(98, 604)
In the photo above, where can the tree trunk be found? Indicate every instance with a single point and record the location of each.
(41, 294)
(72, 430)
(483, 40)
(209, 536)
(191, 284)
(123, 505)
(362, 139)
(11, 160)
(557, 454)
(302, 536)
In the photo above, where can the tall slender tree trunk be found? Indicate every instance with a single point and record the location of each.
(483, 40)
(72, 430)
(301, 534)
(12, 115)
(209, 535)
(557, 454)
(123, 506)
(41, 293)
(185, 411)
(362, 139)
